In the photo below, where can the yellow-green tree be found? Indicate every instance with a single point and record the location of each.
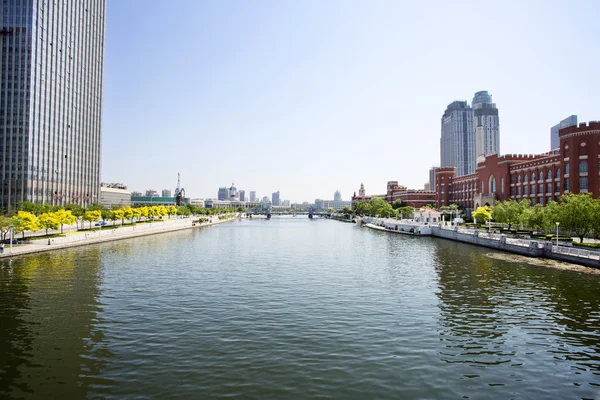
(127, 213)
(24, 221)
(119, 214)
(64, 217)
(162, 211)
(48, 221)
(92, 216)
(483, 214)
(135, 213)
(171, 210)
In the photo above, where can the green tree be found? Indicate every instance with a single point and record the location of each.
(5, 225)
(28, 206)
(48, 221)
(362, 208)
(398, 204)
(24, 221)
(377, 203)
(510, 212)
(64, 217)
(92, 216)
(183, 210)
(534, 217)
(407, 212)
(171, 210)
(108, 215)
(77, 211)
(385, 210)
(483, 214)
(577, 213)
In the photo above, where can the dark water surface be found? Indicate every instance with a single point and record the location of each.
(293, 308)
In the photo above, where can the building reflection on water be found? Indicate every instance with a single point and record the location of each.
(491, 308)
(51, 331)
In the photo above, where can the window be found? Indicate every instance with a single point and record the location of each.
(557, 187)
(541, 188)
(533, 177)
(502, 185)
(492, 184)
(549, 187)
(583, 184)
(512, 191)
(526, 190)
(526, 179)
(519, 180)
(558, 173)
(518, 190)
(532, 189)
(566, 185)
(541, 175)
(567, 169)
(512, 179)
(583, 167)
(549, 174)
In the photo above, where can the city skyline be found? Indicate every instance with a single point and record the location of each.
(275, 105)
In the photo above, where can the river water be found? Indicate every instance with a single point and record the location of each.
(294, 308)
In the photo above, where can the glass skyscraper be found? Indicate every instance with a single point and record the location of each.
(487, 125)
(457, 143)
(52, 59)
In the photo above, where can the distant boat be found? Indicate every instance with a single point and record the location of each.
(269, 216)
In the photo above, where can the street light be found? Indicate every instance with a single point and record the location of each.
(557, 224)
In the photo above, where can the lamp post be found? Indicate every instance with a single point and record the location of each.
(557, 224)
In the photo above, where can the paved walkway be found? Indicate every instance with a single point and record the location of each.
(40, 245)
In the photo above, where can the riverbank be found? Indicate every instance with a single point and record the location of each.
(108, 234)
(524, 247)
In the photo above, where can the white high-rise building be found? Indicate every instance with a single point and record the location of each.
(252, 196)
(487, 126)
(457, 144)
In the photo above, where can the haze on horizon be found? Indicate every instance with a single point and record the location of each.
(310, 97)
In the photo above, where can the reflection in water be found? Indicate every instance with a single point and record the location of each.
(48, 324)
(518, 317)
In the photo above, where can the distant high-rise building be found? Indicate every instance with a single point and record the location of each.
(337, 196)
(242, 194)
(487, 125)
(166, 193)
(223, 193)
(427, 187)
(569, 121)
(252, 196)
(233, 193)
(275, 198)
(151, 192)
(136, 194)
(51, 108)
(432, 177)
(265, 199)
(457, 144)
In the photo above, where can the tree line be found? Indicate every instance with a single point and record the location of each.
(575, 213)
(34, 217)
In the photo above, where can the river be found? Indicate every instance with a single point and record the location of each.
(295, 308)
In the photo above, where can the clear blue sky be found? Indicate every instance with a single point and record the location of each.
(307, 97)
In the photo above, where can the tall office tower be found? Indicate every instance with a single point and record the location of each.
(337, 196)
(457, 144)
(166, 193)
(487, 125)
(252, 196)
(242, 194)
(569, 121)
(51, 101)
(432, 178)
(275, 198)
(223, 193)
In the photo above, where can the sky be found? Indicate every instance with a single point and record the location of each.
(308, 97)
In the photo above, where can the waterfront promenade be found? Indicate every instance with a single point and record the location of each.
(31, 245)
(522, 246)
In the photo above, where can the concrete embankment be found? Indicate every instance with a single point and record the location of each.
(107, 234)
(525, 247)
(521, 246)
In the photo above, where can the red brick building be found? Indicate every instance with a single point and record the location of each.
(572, 168)
(412, 197)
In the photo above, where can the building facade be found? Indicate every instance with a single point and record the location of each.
(565, 123)
(166, 193)
(457, 143)
(52, 62)
(487, 125)
(573, 167)
(223, 193)
(114, 194)
(242, 194)
(252, 196)
(275, 198)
